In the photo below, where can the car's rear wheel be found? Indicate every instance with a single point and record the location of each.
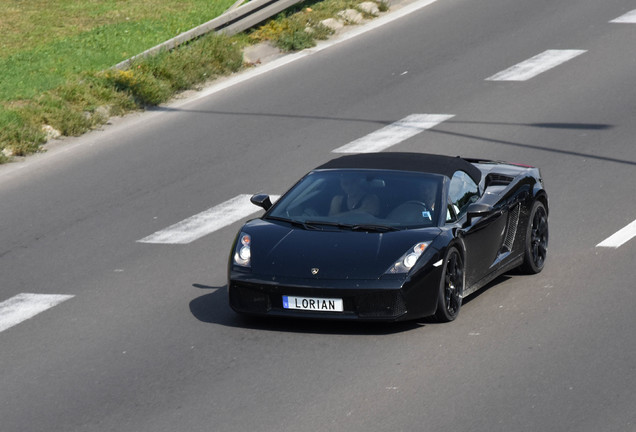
(536, 247)
(451, 287)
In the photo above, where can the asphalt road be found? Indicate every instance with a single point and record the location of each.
(148, 342)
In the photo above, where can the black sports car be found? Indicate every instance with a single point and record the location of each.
(389, 236)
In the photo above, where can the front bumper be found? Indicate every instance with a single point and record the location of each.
(368, 300)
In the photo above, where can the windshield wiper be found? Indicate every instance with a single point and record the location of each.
(315, 224)
(373, 228)
(305, 225)
(357, 227)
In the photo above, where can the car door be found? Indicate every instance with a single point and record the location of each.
(482, 236)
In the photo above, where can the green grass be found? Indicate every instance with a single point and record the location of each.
(56, 58)
(65, 38)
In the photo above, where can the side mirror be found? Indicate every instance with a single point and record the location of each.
(479, 210)
(261, 200)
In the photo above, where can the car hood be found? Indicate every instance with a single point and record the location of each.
(283, 251)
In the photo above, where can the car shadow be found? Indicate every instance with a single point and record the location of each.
(213, 308)
(496, 281)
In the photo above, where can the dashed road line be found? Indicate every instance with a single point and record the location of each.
(25, 305)
(620, 238)
(629, 18)
(206, 222)
(394, 133)
(536, 65)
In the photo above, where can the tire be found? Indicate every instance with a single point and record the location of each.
(451, 287)
(536, 246)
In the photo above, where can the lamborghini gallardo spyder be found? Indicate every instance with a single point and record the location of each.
(389, 236)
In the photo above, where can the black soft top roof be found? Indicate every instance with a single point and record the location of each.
(419, 162)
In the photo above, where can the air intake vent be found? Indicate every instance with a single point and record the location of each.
(494, 179)
(513, 223)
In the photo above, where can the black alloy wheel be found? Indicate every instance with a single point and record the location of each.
(451, 287)
(536, 249)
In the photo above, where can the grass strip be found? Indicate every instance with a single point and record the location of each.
(65, 86)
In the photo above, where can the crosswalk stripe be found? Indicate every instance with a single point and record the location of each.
(394, 133)
(620, 238)
(536, 65)
(25, 305)
(206, 222)
(629, 18)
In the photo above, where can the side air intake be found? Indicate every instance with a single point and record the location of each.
(494, 179)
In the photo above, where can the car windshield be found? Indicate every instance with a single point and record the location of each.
(362, 200)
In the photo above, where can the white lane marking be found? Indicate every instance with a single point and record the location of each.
(206, 222)
(25, 305)
(620, 238)
(320, 46)
(534, 66)
(629, 17)
(394, 133)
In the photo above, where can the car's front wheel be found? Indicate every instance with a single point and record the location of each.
(451, 287)
(536, 247)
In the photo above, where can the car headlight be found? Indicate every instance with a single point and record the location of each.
(408, 260)
(243, 252)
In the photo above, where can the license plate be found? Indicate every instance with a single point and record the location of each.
(313, 304)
